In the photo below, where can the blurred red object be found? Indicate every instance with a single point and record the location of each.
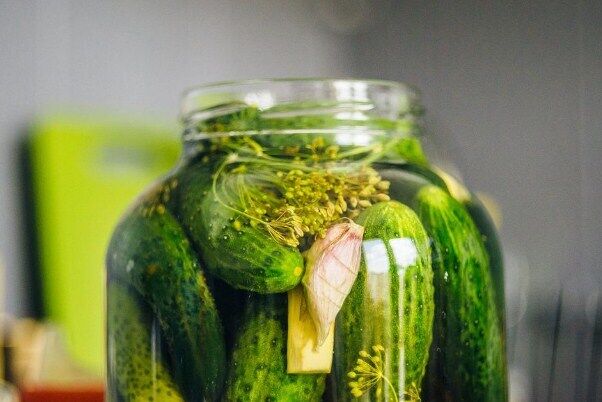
(63, 394)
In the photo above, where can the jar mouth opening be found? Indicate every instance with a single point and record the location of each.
(386, 99)
(224, 85)
(298, 106)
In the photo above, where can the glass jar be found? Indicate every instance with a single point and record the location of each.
(305, 249)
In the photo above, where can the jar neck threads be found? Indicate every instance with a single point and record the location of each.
(321, 106)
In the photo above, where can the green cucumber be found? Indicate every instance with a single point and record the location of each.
(469, 358)
(389, 311)
(150, 251)
(258, 363)
(243, 256)
(408, 179)
(485, 224)
(132, 358)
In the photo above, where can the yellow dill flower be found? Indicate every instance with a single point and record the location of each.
(369, 373)
(295, 198)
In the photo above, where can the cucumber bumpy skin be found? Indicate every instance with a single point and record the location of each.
(408, 179)
(150, 252)
(133, 368)
(470, 359)
(485, 224)
(245, 257)
(258, 363)
(389, 312)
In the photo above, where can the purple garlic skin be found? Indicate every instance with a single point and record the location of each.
(332, 264)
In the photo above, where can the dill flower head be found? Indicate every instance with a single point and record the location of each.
(298, 197)
(369, 373)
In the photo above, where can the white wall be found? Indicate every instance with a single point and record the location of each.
(137, 56)
(514, 89)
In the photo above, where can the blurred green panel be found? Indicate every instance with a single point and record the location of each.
(85, 171)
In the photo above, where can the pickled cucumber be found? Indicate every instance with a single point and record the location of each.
(258, 363)
(469, 360)
(243, 256)
(386, 321)
(150, 252)
(138, 375)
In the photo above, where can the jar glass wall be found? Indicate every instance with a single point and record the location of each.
(304, 249)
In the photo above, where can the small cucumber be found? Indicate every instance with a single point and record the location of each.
(133, 366)
(386, 321)
(150, 252)
(470, 357)
(243, 256)
(258, 363)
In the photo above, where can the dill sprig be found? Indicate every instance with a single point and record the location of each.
(299, 194)
(369, 372)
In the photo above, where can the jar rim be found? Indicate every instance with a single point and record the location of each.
(292, 80)
(389, 98)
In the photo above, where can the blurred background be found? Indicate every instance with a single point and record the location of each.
(88, 117)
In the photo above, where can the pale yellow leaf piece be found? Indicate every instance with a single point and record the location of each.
(303, 353)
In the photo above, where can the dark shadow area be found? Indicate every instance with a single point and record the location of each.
(31, 248)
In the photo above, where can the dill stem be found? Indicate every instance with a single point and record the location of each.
(218, 198)
(356, 151)
(273, 163)
(391, 386)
